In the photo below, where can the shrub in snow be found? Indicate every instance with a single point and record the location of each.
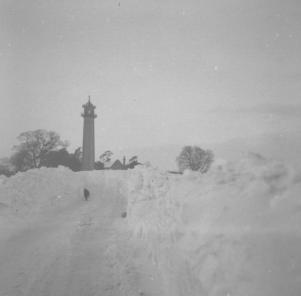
(195, 158)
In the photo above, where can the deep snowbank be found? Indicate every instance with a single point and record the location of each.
(233, 231)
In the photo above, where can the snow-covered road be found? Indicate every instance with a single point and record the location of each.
(79, 250)
(235, 231)
(61, 254)
(84, 248)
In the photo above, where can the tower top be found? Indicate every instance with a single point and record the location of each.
(89, 109)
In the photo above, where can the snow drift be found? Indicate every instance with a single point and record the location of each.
(232, 231)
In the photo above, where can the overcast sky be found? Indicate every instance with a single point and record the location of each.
(159, 71)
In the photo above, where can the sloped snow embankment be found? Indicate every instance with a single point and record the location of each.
(234, 231)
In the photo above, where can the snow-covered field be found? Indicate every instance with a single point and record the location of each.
(234, 231)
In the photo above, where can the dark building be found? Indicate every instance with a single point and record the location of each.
(117, 165)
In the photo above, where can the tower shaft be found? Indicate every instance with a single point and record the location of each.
(88, 144)
(88, 137)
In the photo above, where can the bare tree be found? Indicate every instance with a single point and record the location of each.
(106, 156)
(195, 158)
(33, 147)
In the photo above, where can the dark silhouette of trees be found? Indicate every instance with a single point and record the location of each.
(21, 160)
(56, 158)
(99, 165)
(41, 148)
(104, 159)
(106, 156)
(6, 168)
(105, 162)
(76, 160)
(33, 148)
(195, 158)
(62, 157)
(133, 161)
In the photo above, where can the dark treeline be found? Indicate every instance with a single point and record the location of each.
(41, 148)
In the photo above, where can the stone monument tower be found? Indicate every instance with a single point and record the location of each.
(88, 137)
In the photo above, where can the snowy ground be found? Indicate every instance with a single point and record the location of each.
(234, 231)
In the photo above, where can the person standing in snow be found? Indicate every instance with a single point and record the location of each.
(86, 193)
